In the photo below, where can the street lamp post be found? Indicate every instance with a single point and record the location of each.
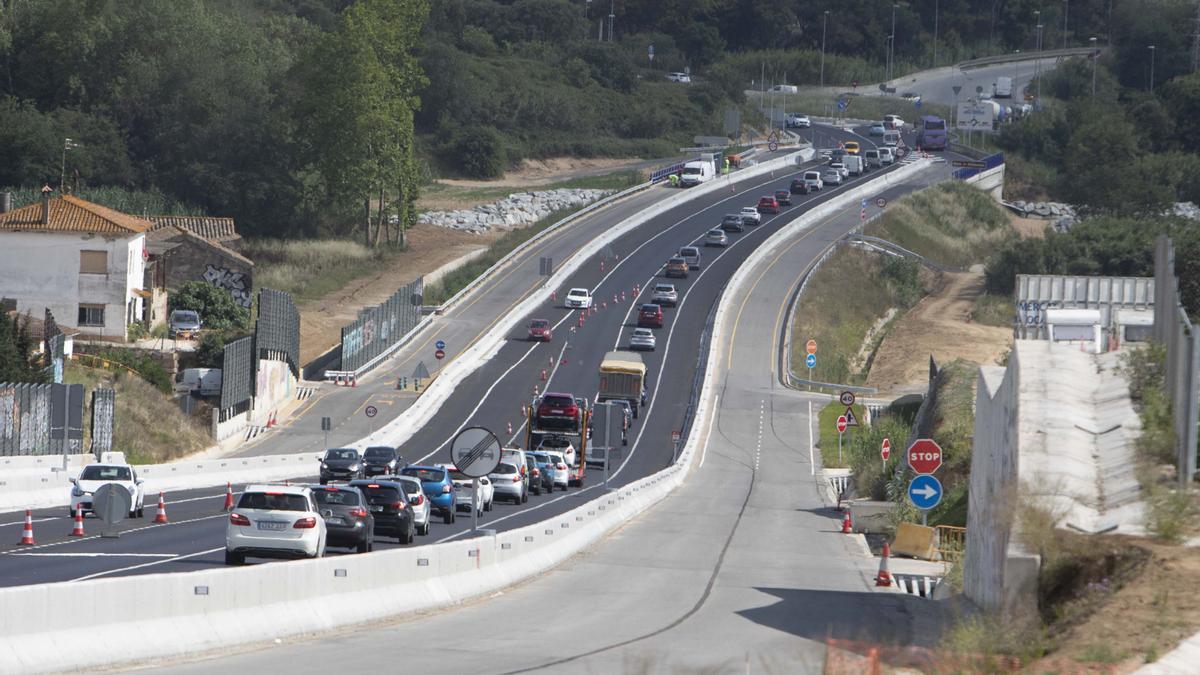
(1152, 67)
(1095, 58)
(1066, 12)
(824, 24)
(1039, 62)
(892, 44)
(935, 31)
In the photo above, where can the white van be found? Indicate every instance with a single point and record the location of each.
(203, 381)
(891, 138)
(886, 156)
(855, 164)
(695, 173)
(812, 179)
(872, 159)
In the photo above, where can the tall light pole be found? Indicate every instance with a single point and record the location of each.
(1152, 68)
(992, 28)
(1095, 58)
(612, 15)
(935, 31)
(892, 44)
(824, 24)
(1040, 29)
(1066, 12)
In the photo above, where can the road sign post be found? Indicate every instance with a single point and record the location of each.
(371, 411)
(326, 425)
(475, 452)
(841, 429)
(674, 445)
(885, 451)
(925, 492)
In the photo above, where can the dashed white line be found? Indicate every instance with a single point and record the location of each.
(149, 564)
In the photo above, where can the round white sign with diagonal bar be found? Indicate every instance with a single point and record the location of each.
(475, 452)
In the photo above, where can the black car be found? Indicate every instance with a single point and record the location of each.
(733, 223)
(348, 520)
(381, 460)
(390, 506)
(799, 187)
(783, 197)
(341, 464)
(539, 480)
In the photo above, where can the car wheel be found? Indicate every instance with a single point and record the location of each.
(412, 535)
(516, 499)
(324, 481)
(364, 546)
(141, 511)
(232, 558)
(448, 517)
(524, 496)
(425, 529)
(487, 506)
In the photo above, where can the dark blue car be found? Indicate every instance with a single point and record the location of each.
(438, 488)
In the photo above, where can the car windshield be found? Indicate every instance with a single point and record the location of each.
(379, 453)
(666, 288)
(458, 475)
(186, 316)
(410, 488)
(652, 309)
(342, 454)
(689, 250)
(506, 468)
(539, 323)
(425, 475)
(556, 442)
(642, 332)
(578, 292)
(336, 497)
(105, 473)
(381, 494)
(273, 501)
(559, 401)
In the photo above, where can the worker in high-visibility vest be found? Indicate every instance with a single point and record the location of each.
(674, 178)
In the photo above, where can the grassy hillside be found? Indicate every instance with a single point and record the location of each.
(148, 427)
(952, 224)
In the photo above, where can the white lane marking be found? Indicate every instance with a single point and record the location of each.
(124, 532)
(812, 466)
(99, 555)
(549, 379)
(711, 423)
(36, 520)
(149, 564)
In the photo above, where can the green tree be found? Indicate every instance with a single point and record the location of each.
(215, 305)
(17, 362)
(1181, 97)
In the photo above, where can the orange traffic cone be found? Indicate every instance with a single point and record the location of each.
(78, 531)
(510, 428)
(847, 526)
(543, 374)
(161, 516)
(884, 578)
(27, 535)
(229, 496)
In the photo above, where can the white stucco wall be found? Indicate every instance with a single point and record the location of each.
(41, 269)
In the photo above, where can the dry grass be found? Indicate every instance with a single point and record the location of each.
(994, 310)
(952, 224)
(148, 426)
(310, 268)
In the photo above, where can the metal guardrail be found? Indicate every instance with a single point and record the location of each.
(1025, 56)
(104, 363)
(885, 245)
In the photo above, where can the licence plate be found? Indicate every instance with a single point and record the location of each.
(335, 520)
(271, 525)
(377, 509)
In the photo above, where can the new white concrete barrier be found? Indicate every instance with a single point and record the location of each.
(63, 626)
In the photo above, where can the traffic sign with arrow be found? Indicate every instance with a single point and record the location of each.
(811, 361)
(925, 492)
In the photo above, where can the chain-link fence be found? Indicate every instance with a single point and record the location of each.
(377, 329)
(1173, 328)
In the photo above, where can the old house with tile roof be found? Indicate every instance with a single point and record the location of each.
(83, 261)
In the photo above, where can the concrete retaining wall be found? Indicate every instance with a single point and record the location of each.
(990, 181)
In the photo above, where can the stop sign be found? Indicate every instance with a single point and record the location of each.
(924, 455)
(841, 423)
(885, 450)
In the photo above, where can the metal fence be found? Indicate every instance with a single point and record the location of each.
(378, 328)
(103, 408)
(278, 328)
(1036, 293)
(1173, 328)
(990, 162)
(237, 377)
(24, 419)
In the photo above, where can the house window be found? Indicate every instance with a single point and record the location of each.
(91, 315)
(93, 262)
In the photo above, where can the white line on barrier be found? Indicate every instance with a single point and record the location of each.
(711, 423)
(98, 555)
(812, 466)
(149, 564)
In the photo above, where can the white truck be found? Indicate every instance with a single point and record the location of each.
(1002, 87)
(855, 165)
(696, 172)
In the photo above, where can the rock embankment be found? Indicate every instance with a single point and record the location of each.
(516, 210)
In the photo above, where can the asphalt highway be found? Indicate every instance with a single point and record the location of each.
(491, 397)
(742, 569)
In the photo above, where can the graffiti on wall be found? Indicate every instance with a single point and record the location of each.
(234, 282)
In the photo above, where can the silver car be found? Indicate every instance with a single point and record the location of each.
(642, 338)
(716, 237)
(508, 482)
(665, 295)
(416, 498)
(831, 176)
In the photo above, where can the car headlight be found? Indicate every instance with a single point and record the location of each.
(76, 492)
(323, 466)
(354, 467)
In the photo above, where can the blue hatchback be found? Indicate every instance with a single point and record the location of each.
(437, 486)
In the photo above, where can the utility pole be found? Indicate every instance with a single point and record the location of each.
(824, 24)
(1066, 12)
(935, 31)
(1152, 68)
(1095, 57)
(1039, 62)
(612, 15)
(892, 45)
(1195, 41)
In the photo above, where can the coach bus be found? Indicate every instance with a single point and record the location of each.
(931, 133)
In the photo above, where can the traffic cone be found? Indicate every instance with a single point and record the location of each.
(543, 374)
(228, 497)
(161, 516)
(601, 266)
(510, 428)
(847, 526)
(353, 380)
(27, 535)
(535, 390)
(884, 578)
(553, 296)
(78, 531)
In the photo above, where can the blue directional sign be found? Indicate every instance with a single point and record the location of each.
(440, 344)
(811, 360)
(925, 492)
(842, 103)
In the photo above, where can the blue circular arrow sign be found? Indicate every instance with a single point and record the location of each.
(440, 344)
(925, 492)
(811, 360)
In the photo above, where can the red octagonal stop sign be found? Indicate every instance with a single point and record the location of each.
(924, 455)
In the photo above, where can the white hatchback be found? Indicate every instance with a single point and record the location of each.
(462, 490)
(416, 499)
(578, 298)
(94, 476)
(561, 445)
(562, 473)
(274, 521)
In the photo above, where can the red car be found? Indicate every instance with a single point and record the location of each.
(768, 205)
(650, 316)
(539, 329)
(557, 410)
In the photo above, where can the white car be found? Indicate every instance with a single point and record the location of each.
(508, 482)
(812, 179)
(561, 445)
(578, 298)
(642, 339)
(893, 122)
(841, 169)
(831, 176)
(716, 237)
(679, 77)
(416, 499)
(462, 491)
(562, 472)
(796, 120)
(750, 214)
(274, 521)
(95, 475)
